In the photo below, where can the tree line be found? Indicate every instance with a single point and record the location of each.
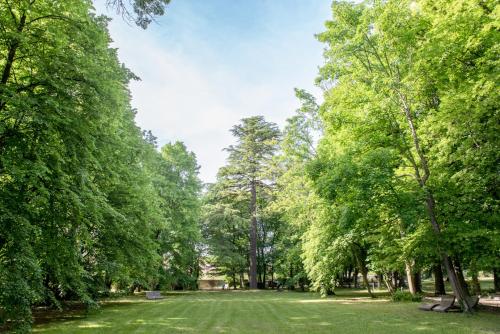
(89, 204)
(395, 173)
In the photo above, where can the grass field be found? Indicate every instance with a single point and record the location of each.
(268, 312)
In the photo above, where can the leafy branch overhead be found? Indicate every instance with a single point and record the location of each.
(141, 12)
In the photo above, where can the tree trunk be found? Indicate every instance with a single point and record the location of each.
(460, 293)
(380, 277)
(417, 279)
(438, 280)
(496, 279)
(360, 256)
(12, 52)
(388, 283)
(264, 269)
(476, 286)
(409, 276)
(364, 274)
(460, 274)
(355, 279)
(395, 279)
(253, 238)
(272, 275)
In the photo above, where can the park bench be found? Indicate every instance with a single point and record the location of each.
(153, 295)
(431, 306)
(445, 304)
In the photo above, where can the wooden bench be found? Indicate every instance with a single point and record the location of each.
(153, 295)
(446, 304)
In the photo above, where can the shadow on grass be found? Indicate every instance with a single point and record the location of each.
(292, 312)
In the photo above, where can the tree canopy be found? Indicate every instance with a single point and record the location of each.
(393, 176)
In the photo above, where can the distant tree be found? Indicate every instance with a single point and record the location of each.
(247, 171)
(225, 231)
(175, 179)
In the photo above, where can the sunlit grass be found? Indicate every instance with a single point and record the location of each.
(270, 312)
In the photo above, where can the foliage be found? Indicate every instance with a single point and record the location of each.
(391, 79)
(404, 296)
(80, 210)
(144, 11)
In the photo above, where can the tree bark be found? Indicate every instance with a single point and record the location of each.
(263, 267)
(417, 279)
(388, 283)
(438, 280)
(460, 274)
(272, 274)
(253, 237)
(359, 254)
(410, 278)
(496, 279)
(364, 274)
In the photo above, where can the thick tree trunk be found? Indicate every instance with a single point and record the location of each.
(410, 278)
(417, 279)
(355, 278)
(460, 293)
(496, 279)
(438, 280)
(253, 238)
(395, 279)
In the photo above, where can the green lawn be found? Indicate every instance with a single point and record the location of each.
(269, 312)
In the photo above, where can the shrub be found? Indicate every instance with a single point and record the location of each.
(405, 296)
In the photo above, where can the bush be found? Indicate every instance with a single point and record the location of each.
(405, 296)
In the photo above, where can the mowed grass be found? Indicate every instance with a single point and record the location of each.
(269, 312)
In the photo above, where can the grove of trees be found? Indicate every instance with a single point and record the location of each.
(395, 173)
(87, 203)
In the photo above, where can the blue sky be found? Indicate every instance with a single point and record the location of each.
(208, 63)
